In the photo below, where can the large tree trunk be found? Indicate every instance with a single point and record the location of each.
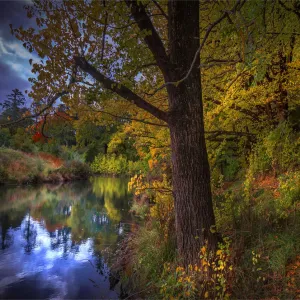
(191, 174)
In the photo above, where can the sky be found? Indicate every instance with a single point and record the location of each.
(14, 58)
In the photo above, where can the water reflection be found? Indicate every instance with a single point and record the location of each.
(52, 238)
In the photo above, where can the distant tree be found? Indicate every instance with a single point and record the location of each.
(13, 108)
(14, 100)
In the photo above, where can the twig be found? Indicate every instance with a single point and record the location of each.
(129, 118)
(104, 32)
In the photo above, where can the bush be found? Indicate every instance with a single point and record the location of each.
(210, 279)
(111, 164)
(22, 141)
(5, 137)
(277, 152)
(77, 168)
(288, 193)
(70, 154)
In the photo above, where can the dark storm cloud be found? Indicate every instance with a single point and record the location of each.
(10, 81)
(14, 65)
(12, 12)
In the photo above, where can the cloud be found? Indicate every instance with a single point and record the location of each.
(22, 71)
(3, 49)
(14, 58)
(9, 80)
(19, 50)
(14, 48)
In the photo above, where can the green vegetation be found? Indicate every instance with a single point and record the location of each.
(111, 164)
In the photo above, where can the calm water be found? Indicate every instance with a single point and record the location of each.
(54, 239)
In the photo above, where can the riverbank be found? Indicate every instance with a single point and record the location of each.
(17, 167)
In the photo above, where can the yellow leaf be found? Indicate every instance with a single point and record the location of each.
(219, 252)
(206, 295)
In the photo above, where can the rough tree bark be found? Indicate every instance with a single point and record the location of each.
(191, 174)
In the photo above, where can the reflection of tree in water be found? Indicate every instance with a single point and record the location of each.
(29, 234)
(100, 265)
(61, 239)
(114, 191)
(71, 213)
(6, 236)
(100, 219)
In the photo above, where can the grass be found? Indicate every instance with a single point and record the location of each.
(20, 167)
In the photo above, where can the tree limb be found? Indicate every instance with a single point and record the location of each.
(236, 107)
(129, 118)
(104, 32)
(224, 132)
(160, 8)
(213, 135)
(153, 40)
(290, 9)
(120, 89)
(43, 126)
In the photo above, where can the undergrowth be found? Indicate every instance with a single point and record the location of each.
(258, 216)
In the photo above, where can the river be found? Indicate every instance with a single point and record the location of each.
(56, 240)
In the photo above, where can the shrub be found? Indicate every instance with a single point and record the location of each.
(78, 168)
(70, 154)
(289, 193)
(110, 164)
(211, 278)
(278, 151)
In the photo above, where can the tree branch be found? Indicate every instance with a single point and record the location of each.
(104, 32)
(290, 9)
(224, 132)
(129, 118)
(153, 40)
(52, 101)
(236, 107)
(120, 89)
(43, 126)
(214, 134)
(160, 8)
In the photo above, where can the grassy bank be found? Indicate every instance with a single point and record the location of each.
(20, 167)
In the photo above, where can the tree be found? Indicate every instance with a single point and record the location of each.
(101, 47)
(13, 109)
(92, 138)
(14, 101)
